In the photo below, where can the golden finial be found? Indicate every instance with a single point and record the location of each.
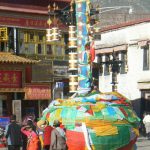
(57, 8)
(54, 6)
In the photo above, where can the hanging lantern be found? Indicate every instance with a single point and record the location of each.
(55, 34)
(72, 37)
(73, 56)
(73, 63)
(49, 35)
(73, 83)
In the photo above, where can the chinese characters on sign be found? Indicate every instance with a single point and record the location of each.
(37, 92)
(10, 79)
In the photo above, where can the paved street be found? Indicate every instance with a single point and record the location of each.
(142, 144)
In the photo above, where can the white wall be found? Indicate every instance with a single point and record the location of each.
(127, 82)
(124, 36)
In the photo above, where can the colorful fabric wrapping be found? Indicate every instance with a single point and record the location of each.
(115, 142)
(77, 138)
(68, 117)
(82, 21)
(108, 117)
(107, 122)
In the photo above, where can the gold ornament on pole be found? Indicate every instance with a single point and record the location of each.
(52, 34)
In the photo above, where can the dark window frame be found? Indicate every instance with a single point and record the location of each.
(100, 62)
(49, 50)
(146, 51)
(106, 65)
(123, 62)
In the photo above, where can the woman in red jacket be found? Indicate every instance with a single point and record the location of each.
(33, 139)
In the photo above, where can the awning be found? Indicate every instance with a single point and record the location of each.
(37, 92)
(144, 84)
(143, 43)
(11, 90)
(111, 49)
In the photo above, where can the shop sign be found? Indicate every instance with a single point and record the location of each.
(37, 92)
(10, 79)
(26, 22)
(4, 121)
(60, 68)
(42, 71)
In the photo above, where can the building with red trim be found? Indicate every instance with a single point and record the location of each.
(29, 65)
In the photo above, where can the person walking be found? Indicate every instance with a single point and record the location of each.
(47, 136)
(33, 142)
(58, 137)
(146, 121)
(29, 122)
(13, 134)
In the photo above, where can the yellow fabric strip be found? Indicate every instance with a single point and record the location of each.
(97, 123)
(105, 130)
(136, 131)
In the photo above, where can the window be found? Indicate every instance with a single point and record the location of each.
(49, 50)
(2, 46)
(100, 62)
(106, 66)
(123, 68)
(40, 37)
(146, 58)
(39, 49)
(58, 50)
(31, 37)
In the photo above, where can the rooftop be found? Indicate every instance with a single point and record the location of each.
(6, 57)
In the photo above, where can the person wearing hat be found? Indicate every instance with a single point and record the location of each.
(13, 134)
(58, 137)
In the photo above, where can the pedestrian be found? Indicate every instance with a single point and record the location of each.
(29, 122)
(58, 137)
(146, 122)
(13, 134)
(47, 136)
(33, 142)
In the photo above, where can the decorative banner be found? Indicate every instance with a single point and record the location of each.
(42, 71)
(82, 18)
(37, 92)
(10, 79)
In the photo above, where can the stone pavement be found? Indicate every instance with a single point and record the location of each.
(142, 144)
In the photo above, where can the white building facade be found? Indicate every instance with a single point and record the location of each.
(131, 44)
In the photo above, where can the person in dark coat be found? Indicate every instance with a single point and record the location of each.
(13, 134)
(58, 137)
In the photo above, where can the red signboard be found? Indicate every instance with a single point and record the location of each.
(37, 92)
(25, 22)
(10, 79)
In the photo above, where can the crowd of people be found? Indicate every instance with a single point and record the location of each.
(30, 137)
